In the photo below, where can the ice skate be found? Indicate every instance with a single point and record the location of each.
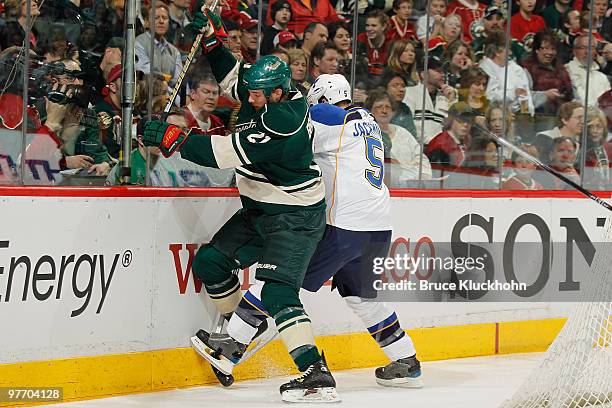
(405, 372)
(316, 385)
(220, 350)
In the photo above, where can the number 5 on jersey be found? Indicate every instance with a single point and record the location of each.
(375, 176)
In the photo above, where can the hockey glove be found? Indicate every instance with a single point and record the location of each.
(200, 23)
(211, 25)
(168, 137)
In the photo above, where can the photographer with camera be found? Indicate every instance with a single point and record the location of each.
(76, 126)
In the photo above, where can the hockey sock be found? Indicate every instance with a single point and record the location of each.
(248, 316)
(294, 327)
(384, 327)
(215, 271)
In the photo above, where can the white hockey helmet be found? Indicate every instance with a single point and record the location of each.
(333, 87)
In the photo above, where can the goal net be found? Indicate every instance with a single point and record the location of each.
(577, 368)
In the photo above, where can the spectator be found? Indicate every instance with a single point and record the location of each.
(160, 94)
(562, 159)
(606, 61)
(109, 108)
(323, 60)
(89, 40)
(314, 33)
(13, 33)
(299, 69)
(340, 36)
(550, 80)
(495, 123)
(605, 104)
(179, 33)
(570, 120)
(234, 10)
(516, 86)
(396, 89)
(521, 178)
(568, 31)
(494, 21)
(162, 172)
(402, 60)
(552, 14)
(451, 32)
(599, 13)
(373, 44)
(233, 39)
(281, 54)
(585, 23)
(481, 164)
(470, 12)
(304, 12)
(525, 24)
(460, 57)
(597, 170)
(400, 26)
(402, 151)
(437, 10)
(472, 91)
(483, 154)
(577, 68)
(281, 14)
(438, 97)
(203, 99)
(285, 40)
(448, 148)
(167, 58)
(115, 23)
(57, 47)
(248, 40)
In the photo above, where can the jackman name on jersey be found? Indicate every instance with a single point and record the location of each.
(366, 129)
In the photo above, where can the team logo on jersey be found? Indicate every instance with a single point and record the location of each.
(258, 138)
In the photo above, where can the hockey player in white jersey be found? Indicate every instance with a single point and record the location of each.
(349, 150)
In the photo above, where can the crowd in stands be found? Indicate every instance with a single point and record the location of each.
(539, 88)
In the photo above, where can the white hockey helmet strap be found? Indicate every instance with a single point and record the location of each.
(334, 87)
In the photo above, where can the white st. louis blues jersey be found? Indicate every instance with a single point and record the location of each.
(348, 148)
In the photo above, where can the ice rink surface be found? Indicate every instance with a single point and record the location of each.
(479, 382)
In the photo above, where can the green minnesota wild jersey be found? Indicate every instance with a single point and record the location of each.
(271, 149)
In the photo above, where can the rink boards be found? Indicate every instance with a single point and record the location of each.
(97, 295)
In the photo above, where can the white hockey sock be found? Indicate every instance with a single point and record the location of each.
(247, 317)
(240, 330)
(384, 327)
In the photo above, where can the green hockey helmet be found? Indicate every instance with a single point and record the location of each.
(267, 74)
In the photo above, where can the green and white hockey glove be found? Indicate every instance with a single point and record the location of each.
(211, 26)
(168, 137)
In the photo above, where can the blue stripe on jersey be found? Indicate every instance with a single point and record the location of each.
(254, 301)
(388, 321)
(330, 115)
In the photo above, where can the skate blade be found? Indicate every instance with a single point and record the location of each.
(221, 363)
(404, 382)
(323, 395)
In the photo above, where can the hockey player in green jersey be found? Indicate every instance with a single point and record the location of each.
(283, 214)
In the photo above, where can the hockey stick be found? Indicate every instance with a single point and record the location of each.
(546, 167)
(177, 87)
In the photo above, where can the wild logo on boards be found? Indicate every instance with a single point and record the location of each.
(184, 271)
